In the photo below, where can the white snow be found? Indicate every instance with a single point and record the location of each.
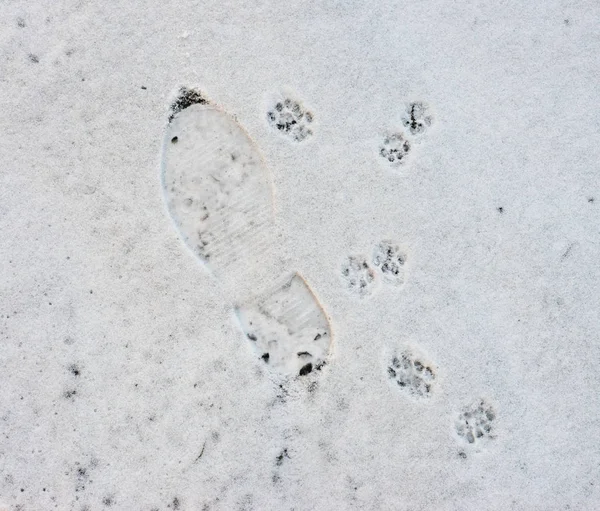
(126, 381)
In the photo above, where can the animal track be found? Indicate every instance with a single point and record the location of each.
(475, 423)
(217, 188)
(390, 260)
(411, 373)
(395, 148)
(358, 275)
(417, 118)
(291, 119)
(288, 328)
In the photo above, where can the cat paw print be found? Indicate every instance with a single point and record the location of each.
(291, 118)
(358, 275)
(390, 259)
(475, 423)
(410, 372)
(398, 145)
(395, 148)
(417, 118)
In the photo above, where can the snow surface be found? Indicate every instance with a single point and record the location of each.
(125, 380)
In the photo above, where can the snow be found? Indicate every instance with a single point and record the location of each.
(126, 380)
